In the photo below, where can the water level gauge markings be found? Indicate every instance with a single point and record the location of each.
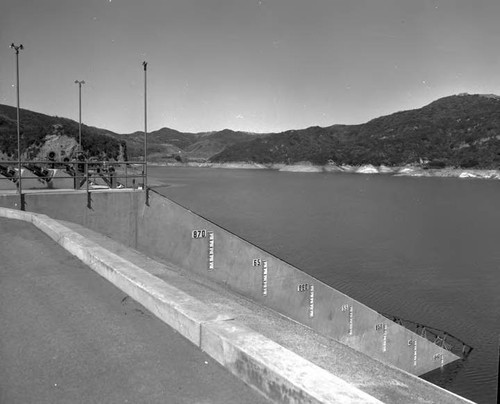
(348, 308)
(264, 278)
(211, 247)
(258, 262)
(413, 343)
(199, 234)
(311, 301)
(382, 327)
(306, 287)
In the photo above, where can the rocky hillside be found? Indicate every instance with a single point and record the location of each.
(41, 134)
(459, 131)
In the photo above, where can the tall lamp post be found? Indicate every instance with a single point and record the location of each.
(80, 112)
(145, 65)
(17, 48)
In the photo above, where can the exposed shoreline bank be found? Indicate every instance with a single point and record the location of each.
(305, 167)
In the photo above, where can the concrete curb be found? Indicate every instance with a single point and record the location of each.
(278, 373)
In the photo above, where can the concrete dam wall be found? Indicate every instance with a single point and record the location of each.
(161, 228)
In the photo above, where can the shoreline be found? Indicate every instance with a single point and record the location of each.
(305, 167)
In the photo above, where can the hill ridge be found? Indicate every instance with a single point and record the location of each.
(457, 131)
(460, 130)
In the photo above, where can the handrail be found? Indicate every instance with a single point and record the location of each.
(82, 170)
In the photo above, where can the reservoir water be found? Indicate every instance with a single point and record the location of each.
(423, 249)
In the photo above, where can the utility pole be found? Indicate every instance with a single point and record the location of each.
(80, 113)
(17, 49)
(145, 65)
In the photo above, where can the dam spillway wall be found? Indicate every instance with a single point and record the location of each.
(162, 228)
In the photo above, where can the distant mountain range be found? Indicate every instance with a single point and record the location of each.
(165, 144)
(459, 131)
(41, 134)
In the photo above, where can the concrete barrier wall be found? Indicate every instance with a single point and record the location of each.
(165, 229)
(113, 214)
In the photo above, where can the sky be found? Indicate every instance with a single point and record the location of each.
(250, 65)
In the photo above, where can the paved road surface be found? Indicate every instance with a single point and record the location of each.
(69, 336)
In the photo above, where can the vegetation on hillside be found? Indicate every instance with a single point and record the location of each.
(35, 127)
(460, 131)
(164, 142)
(456, 131)
(168, 143)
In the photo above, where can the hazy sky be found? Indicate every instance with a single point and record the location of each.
(253, 65)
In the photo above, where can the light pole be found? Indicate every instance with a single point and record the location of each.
(17, 49)
(145, 65)
(80, 113)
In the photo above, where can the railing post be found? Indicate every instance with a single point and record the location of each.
(145, 167)
(87, 180)
(19, 165)
(22, 201)
(21, 195)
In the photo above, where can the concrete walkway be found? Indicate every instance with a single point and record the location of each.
(69, 336)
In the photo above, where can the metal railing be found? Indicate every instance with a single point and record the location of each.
(441, 338)
(89, 174)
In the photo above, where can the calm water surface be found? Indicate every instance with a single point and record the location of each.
(424, 249)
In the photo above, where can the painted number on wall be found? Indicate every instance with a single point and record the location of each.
(439, 356)
(199, 233)
(303, 287)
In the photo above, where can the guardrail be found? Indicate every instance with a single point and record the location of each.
(80, 173)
